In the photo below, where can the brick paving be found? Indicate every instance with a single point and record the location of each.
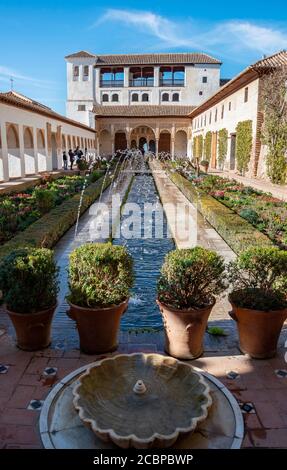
(254, 382)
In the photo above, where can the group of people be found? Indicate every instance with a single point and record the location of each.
(74, 157)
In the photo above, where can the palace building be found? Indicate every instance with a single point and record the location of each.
(137, 100)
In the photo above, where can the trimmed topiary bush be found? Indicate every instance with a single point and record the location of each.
(190, 278)
(45, 200)
(28, 280)
(100, 275)
(259, 279)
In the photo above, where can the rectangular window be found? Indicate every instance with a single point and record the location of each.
(205, 120)
(204, 79)
(246, 94)
(229, 106)
(76, 72)
(86, 73)
(81, 107)
(201, 122)
(222, 111)
(215, 117)
(210, 117)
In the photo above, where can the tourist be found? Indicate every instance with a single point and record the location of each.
(78, 153)
(72, 158)
(65, 160)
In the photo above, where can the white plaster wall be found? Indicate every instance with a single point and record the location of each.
(20, 161)
(89, 92)
(240, 111)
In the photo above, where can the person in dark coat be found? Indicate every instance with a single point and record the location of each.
(65, 160)
(72, 158)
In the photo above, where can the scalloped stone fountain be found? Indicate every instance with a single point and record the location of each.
(143, 401)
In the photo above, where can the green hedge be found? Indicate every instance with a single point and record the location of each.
(46, 231)
(235, 230)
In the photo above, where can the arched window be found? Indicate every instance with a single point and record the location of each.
(175, 97)
(145, 97)
(115, 97)
(165, 97)
(86, 72)
(135, 97)
(76, 72)
(105, 97)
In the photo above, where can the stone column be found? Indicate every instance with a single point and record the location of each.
(22, 150)
(156, 76)
(156, 147)
(172, 145)
(126, 77)
(4, 152)
(35, 149)
(172, 142)
(113, 138)
(48, 141)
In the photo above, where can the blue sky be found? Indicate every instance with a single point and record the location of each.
(35, 39)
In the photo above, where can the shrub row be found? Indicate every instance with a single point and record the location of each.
(46, 231)
(235, 230)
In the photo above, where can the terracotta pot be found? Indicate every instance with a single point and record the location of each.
(98, 327)
(258, 330)
(33, 330)
(184, 330)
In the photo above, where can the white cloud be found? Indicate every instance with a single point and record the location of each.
(7, 73)
(223, 38)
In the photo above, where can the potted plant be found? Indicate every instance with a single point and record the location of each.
(259, 299)
(83, 166)
(29, 285)
(205, 165)
(100, 277)
(189, 281)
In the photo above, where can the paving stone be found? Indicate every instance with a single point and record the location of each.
(274, 438)
(269, 415)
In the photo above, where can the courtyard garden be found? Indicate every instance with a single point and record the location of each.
(19, 210)
(86, 301)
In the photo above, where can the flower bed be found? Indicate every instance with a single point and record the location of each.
(19, 210)
(235, 230)
(265, 212)
(46, 231)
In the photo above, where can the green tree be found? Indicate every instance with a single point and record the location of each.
(207, 145)
(222, 146)
(243, 145)
(273, 101)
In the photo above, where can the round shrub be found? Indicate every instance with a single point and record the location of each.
(259, 278)
(250, 215)
(190, 278)
(29, 280)
(45, 199)
(100, 275)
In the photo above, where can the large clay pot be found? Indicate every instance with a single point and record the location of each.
(184, 330)
(33, 330)
(98, 327)
(258, 330)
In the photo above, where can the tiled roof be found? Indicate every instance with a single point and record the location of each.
(251, 73)
(276, 60)
(152, 59)
(139, 59)
(14, 98)
(142, 110)
(80, 54)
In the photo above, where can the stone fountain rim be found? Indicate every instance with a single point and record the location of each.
(114, 436)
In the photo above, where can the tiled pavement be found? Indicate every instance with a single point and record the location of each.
(26, 378)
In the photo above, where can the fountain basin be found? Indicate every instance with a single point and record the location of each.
(141, 400)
